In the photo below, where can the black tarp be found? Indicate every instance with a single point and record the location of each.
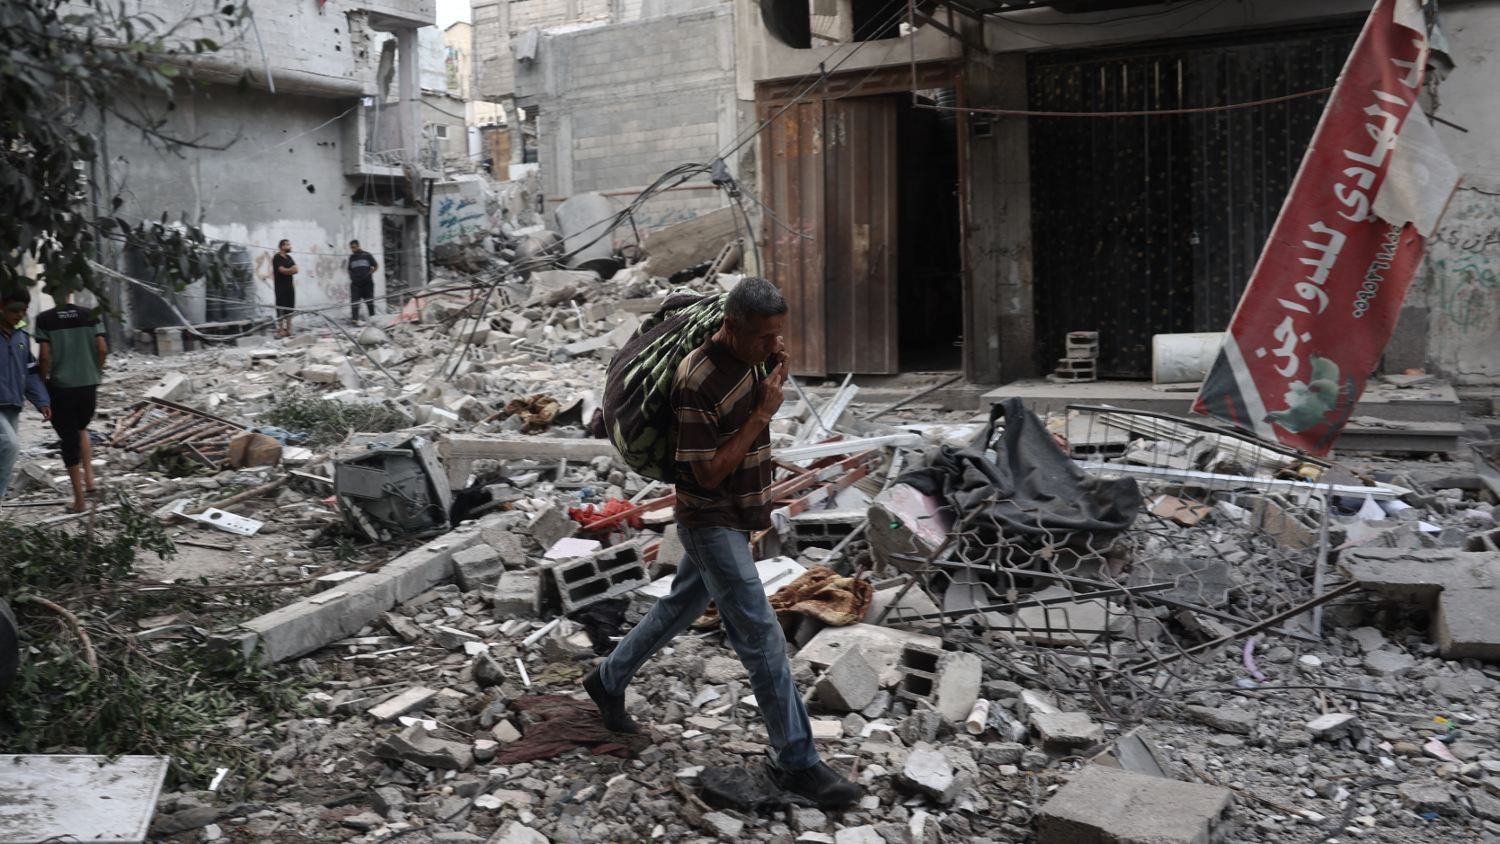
(1032, 493)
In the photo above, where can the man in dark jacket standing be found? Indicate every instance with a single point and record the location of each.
(19, 381)
(362, 267)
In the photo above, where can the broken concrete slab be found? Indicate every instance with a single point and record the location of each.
(913, 604)
(303, 627)
(1226, 719)
(1065, 623)
(687, 244)
(881, 647)
(1205, 582)
(411, 700)
(1389, 663)
(1064, 731)
(849, 684)
(1458, 587)
(459, 451)
(1101, 805)
(929, 772)
(1330, 727)
(174, 387)
(415, 744)
(59, 797)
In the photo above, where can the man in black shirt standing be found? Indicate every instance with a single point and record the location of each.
(362, 267)
(283, 268)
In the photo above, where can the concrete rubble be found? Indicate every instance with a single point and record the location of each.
(1187, 680)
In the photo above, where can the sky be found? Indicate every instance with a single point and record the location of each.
(449, 11)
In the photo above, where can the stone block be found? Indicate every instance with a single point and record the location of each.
(1102, 805)
(1330, 727)
(1456, 586)
(477, 567)
(905, 522)
(173, 387)
(849, 684)
(1389, 663)
(518, 594)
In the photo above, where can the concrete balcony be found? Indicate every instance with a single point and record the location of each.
(391, 15)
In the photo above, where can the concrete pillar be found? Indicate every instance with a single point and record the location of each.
(409, 89)
(1000, 328)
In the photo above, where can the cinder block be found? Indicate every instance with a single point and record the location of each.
(1102, 805)
(1487, 541)
(518, 593)
(949, 681)
(604, 574)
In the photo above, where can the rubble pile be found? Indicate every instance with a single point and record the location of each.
(1102, 626)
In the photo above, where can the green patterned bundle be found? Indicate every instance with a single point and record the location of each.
(638, 385)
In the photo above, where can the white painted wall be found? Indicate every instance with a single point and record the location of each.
(1460, 284)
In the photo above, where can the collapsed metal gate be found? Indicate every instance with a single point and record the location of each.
(1151, 225)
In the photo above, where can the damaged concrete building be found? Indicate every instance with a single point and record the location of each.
(317, 148)
(918, 223)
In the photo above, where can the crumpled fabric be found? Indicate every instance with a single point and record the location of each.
(537, 412)
(589, 514)
(820, 593)
(566, 724)
(1031, 492)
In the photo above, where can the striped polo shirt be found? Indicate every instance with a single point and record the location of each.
(713, 395)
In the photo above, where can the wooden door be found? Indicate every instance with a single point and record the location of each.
(859, 270)
(792, 147)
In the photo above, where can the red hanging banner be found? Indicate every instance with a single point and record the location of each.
(1325, 294)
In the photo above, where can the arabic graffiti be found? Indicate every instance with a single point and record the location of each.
(457, 218)
(1463, 283)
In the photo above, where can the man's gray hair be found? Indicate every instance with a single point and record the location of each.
(752, 298)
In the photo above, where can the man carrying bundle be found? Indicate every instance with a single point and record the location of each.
(722, 407)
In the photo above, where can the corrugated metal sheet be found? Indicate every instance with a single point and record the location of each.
(1150, 225)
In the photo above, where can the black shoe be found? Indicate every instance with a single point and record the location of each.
(820, 784)
(611, 707)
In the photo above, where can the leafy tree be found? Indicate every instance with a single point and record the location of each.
(64, 66)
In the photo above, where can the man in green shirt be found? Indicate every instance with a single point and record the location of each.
(73, 350)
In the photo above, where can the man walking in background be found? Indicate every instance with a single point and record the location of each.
(71, 359)
(723, 408)
(283, 273)
(19, 381)
(362, 267)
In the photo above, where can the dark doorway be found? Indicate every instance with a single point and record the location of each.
(1152, 225)
(929, 261)
(397, 261)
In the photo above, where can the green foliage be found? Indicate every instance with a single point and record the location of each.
(162, 697)
(49, 560)
(64, 65)
(326, 422)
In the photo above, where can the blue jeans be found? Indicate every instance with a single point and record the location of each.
(718, 565)
(10, 445)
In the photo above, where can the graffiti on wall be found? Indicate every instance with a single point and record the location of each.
(1464, 263)
(458, 212)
